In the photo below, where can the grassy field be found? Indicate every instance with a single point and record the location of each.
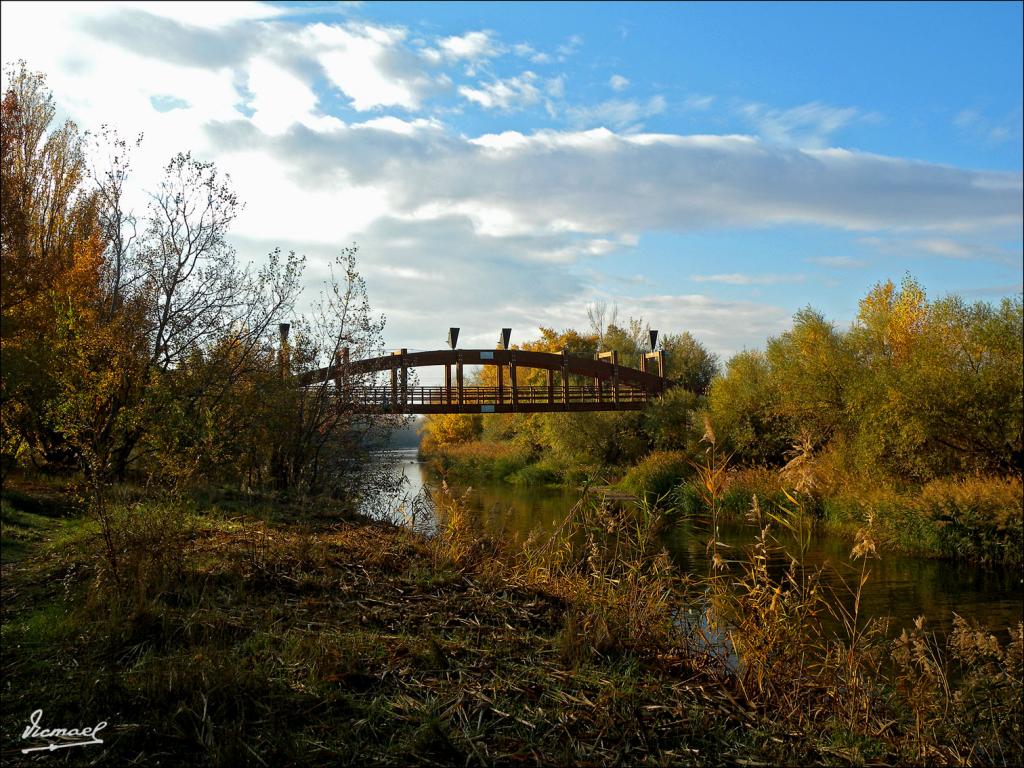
(240, 631)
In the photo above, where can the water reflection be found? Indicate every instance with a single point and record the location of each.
(899, 587)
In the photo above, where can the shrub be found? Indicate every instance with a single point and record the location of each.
(535, 474)
(482, 459)
(741, 485)
(657, 475)
(978, 518)
(687, 500)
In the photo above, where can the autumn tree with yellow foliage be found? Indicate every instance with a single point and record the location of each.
(139, 341)
(916, 388)
(50, 255)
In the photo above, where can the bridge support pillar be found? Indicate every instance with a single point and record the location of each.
(565, 377)
(405, 377)
(458, 380)
(512, 381)
(659, 357)
(341, 374)
(501, 383)
(394, 383)
(448, 384)
(283, 355)
(551, 386)
(615, 377)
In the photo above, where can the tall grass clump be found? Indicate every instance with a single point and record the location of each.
(458, 540)
(607, 563)
(978, 518)
(803, 657)
(657, 475)
(480, 459)
(139, 551)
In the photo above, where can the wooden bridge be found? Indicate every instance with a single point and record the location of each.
(573, 383)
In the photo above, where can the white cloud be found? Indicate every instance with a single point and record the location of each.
(739, 278)
(839, 262)
(212, 15)
(698, 103)
(724, 326)
(407, 273)
(280, 99)
(508, 94)
(397, 125)
(597, 182)
(571, 45)
(555, 87)
(974, 124)
(625, 115)
(527, 51)
(279, 205)
(618, 83)
(470, 46)
(808, 125)
(368, 63)
(944, 247)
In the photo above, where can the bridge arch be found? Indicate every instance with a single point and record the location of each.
(611, 386)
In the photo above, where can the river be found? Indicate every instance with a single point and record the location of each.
(899, 587)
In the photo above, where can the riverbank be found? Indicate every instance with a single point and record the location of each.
(974, 519)
(238, 631)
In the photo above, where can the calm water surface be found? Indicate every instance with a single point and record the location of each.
(901, 588)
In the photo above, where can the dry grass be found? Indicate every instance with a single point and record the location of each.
(317, 643)
(348, 642)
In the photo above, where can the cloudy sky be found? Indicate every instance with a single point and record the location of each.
(710, 167)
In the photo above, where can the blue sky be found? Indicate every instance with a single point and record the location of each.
(712, 167)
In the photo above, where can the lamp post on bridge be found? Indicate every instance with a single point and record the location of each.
(654, 354)
(283, 354)
(503, 343)
(453, 342)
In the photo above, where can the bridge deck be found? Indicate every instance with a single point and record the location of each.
(524, 399)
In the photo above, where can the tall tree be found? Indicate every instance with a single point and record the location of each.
(50, 250)
(690, 364)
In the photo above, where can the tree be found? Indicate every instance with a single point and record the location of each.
(326, 440)
(689, 362)
(46, 210)
(811, 369)
(131, 337)
(121, 271)
(629, 340)
(671, 420)
(442, 429)
(199, 299)
(939, 391)
(600, 316)
(743, 406)
(49, 256)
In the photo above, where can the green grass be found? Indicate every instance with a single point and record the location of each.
(28, 520)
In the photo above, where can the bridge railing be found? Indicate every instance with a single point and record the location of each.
(385, 395)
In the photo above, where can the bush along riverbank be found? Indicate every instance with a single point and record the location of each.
(228, 635)
(977, 518)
